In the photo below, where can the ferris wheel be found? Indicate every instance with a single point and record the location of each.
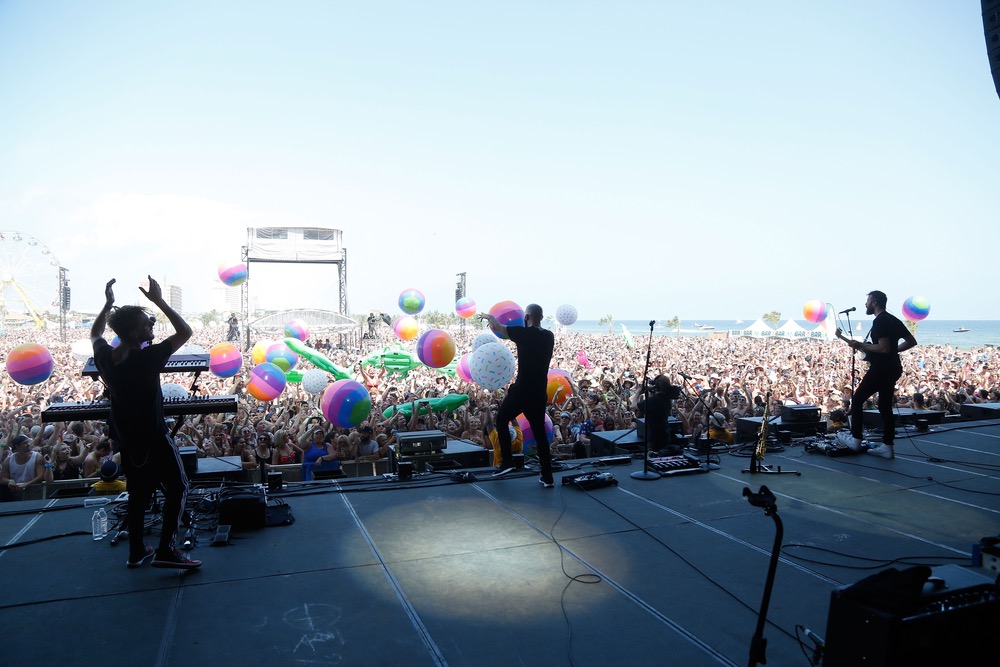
(29, 278)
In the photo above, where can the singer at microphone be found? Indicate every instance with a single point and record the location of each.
(849, 310)
(656, 410)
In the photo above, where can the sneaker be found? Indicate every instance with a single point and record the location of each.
(846, 439)
(503, 470)
(885, 451)
(173, 558)
(547, 485)
(136, 562)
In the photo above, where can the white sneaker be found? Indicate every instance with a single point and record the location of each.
(885, 451)
(847, 440)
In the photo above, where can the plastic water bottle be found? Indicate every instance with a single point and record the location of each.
(95, 526)
(97, 500)
(104, 521)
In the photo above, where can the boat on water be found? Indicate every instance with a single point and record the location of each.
(960, 330)
(706, 327)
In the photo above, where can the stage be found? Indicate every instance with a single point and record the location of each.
(504, 572)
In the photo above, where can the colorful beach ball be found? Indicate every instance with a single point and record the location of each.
(558, 379)
(297, 329)
(483, 339)
(462, 367)
(411, 301)
(566, 315)
(405, 327)
(282, 357)
(314, 381)
(267, 381)
(916, 308)
(492, 366)
(465, 308)
(436, 348)
(30, 363)
(529, 436)
(258, 354)
(173, 392)
(508, 314)
(346, 403)
(225, 360)
(814, 310)
(233, 274)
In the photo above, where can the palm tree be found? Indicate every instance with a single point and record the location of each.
(609, 320)
(772, 317)
(209, 317)
(674, 323)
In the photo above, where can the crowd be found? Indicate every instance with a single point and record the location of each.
(729, 378)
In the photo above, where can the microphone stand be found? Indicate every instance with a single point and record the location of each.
(707, 465)
(646, 473)
(854, 372)
(765, 500)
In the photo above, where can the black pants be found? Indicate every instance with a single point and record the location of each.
(533, 408)
(883, 381)
(162, 468)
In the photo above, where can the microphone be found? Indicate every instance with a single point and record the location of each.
(849, 310)
(684, 375)
(651, 323)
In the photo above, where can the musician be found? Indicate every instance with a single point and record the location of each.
(656, 409)
(233, 335)
(149, 458)
(882, 354)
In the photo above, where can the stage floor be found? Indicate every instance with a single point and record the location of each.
(505, 572)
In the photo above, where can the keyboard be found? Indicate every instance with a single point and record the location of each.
(201, 405)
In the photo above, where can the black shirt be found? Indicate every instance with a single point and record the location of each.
(886, 325)
(534, 353)
(134, 389)
(656, 409)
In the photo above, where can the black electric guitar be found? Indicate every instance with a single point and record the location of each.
(850, 341)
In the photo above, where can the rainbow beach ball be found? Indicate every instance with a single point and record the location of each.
(267, 381)
(411, 301)
(225, 360)
(282, 357)
(916, 308)
(346, 403)
(258, 354)
(233, 274)
(814, 310)
(462, 368)
(30, 363)
(297, 329)
(529, 436)
(405, 327)
(558, 379)
(508, 314)
(436, 348)
(465, 308)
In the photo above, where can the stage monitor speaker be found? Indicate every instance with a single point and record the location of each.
(799, 414)
(421, 442)
(991, 28)
(189, 459)
(901, 619)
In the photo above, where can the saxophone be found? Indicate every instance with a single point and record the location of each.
(762, 436)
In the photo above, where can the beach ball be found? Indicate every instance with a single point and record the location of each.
(258, 354)
(315, 381)
(282, 357)
(566, 315)
(82, 349)
(465, 308)
(346, 403)
(297, 329)
(558, 379)
(436, 348)
(483, 339)
(916, 308)
(225, 360)
(411, 301)
(529, 436)
(508, 314)
(29, 364)
(116, 341)
(232, 274)
(462, 367)
(492, 366)
(173, 392)
(267, 381)
(405, 327)
(814, 310)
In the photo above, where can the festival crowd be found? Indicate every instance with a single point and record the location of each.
(730, 378)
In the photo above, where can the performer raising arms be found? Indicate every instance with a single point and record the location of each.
(149, 457)
(527, 394)
(882, 354)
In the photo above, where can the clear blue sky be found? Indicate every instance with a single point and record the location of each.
(710, 160)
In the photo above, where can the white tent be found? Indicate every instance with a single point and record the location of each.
(791, 329)
(756, 330)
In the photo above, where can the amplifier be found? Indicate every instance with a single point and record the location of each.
(421, 442)
(893, 619)
(243, 508)
(799, 413)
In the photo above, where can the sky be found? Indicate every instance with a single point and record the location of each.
(641, 159)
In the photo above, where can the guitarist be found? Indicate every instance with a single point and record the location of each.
(882, 355)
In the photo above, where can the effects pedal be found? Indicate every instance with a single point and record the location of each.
(590, 480)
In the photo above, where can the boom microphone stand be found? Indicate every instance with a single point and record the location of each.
(646, 473)
(707, 465)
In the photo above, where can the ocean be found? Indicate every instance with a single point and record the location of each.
(929, 332)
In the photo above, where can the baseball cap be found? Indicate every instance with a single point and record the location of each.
(109, 471)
